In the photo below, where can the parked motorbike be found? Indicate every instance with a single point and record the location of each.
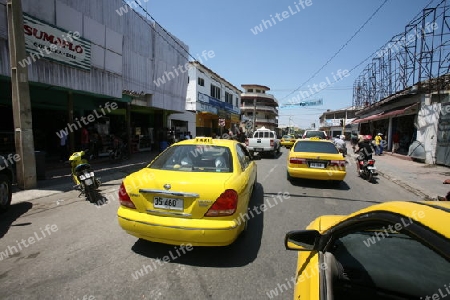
(367, 169)
(118, 153)
(83, 176)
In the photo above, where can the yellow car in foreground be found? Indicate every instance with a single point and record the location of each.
(287, 141)
(393, 250)
(192, 193)
(316, 159)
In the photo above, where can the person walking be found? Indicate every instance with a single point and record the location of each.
(379, 144)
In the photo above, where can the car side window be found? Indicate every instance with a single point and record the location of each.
(385, 260)
(243, 157)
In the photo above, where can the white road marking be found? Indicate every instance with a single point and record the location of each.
(270, 171)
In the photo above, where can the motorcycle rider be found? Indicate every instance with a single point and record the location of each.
(365, 150)
(340, 144)
(354, 139)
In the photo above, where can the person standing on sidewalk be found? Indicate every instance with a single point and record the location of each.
(379, 144)
(63, 145)
(84, 139)
(396, 142)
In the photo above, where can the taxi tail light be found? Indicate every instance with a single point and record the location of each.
(271, 143)
(225, 205)
(246, 142)
(371, 162)
(124, 199)
(337, 163)
(296, 160)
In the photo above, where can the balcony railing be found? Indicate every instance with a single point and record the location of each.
(260, 107)
(259, 95)
(273, 121)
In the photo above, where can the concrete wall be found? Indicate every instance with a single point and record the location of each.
(127, 51)
(427, 125)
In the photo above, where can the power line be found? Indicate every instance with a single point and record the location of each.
(340, 49)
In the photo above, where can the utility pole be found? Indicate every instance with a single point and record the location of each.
(23, 126)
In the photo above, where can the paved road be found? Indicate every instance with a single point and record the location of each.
(79, 251)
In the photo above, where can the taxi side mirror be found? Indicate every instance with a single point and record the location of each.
(302, 240)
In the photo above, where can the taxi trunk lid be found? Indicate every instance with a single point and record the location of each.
(185, 194)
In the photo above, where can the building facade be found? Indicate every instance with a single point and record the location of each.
(214, 100)
(84, 55)
(258, 108)
(418, 118)
(338, 122)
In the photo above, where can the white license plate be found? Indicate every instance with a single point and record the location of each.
(258, 149)
(317, 165)
(372, 168)
(168, 203)
(88, 181)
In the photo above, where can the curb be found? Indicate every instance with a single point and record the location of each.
(405, 186)
(402, 184)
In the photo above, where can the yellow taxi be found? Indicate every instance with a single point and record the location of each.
(193, 192)
(287, 141)
(393, 250)
(316, 159)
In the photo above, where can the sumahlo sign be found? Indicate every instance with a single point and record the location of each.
(65, 46)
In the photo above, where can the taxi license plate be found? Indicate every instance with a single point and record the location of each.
(317, 165)
(168, 203)
(258, 149)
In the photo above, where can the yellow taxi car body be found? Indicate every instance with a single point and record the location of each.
(287, 141)
(316, 159)
(193, 192)
(393, 250)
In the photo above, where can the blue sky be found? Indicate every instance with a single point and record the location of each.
(289, 52)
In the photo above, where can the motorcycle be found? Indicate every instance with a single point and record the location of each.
(367, 169)
(342, 149)
(118, 153)
(83, 176)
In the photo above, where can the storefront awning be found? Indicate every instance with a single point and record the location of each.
(409, 110)
(367, 119)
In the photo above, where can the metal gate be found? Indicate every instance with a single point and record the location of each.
(443, 136)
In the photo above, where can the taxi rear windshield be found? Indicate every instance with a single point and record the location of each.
(320, 134)
(319, 147)
(195, 158)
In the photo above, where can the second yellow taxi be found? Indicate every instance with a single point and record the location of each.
(316, 159)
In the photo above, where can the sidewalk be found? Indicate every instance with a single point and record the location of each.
(59, 180)
(421, 179)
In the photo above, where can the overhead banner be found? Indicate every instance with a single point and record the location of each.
(43, 40)
(316, 102)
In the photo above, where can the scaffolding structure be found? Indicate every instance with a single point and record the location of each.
(416, 60)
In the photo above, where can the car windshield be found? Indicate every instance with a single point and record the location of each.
(286, 137)
(320, 134)
(194, 158)
(319, 147)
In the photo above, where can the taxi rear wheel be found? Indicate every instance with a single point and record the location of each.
(5, 192)
(289, 177)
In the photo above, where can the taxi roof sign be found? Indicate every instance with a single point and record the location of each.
(204, 140)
